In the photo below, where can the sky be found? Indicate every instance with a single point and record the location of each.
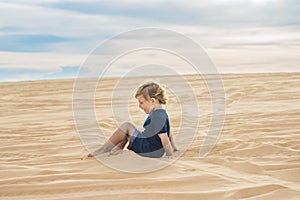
(51, 39)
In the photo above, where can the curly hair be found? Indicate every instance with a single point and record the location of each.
(152, 90)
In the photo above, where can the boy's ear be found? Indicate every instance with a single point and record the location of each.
(152, 100)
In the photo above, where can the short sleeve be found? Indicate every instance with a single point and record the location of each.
(158, 124)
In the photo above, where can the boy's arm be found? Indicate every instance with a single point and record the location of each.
(166, 143)
(173, 143)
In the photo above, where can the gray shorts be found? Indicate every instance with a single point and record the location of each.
(133, 137)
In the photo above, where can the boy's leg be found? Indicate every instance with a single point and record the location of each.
(119, 137)
(118, 148)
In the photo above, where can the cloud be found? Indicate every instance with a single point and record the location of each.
(46, 35)
(34, 19)
(7, 74)
(77, 32)
(30, 43)
(209, 13)
(39, 61)
(64, 72)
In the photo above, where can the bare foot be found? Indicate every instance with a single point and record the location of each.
(116, 151)
(87, 156)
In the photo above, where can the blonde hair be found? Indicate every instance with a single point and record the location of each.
(152, 90)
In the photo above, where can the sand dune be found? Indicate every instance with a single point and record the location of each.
(257, 155)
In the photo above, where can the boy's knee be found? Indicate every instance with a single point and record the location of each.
(127, 126)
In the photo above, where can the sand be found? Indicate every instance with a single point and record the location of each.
(257, 155)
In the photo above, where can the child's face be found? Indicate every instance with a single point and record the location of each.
(145, 104)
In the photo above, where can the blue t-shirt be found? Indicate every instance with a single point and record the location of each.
(147, 143)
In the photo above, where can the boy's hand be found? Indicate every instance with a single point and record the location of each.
(168, 157)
